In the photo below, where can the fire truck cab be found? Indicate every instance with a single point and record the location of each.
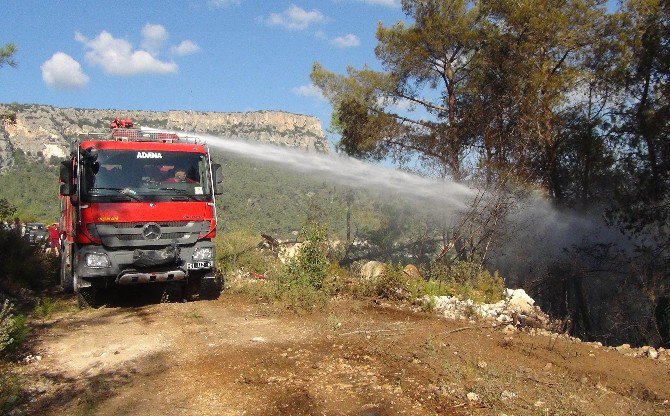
(138, 207)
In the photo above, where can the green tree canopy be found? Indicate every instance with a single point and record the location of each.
(489, 82)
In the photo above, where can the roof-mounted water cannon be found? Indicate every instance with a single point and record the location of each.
(177, 137)
(191, 139)
(121, 123)
(124, 130)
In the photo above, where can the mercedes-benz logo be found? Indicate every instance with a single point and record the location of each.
(151, 231)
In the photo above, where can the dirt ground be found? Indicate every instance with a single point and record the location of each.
(235, 356)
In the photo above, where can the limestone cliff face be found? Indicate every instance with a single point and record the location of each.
(287, 129)
(46, 131)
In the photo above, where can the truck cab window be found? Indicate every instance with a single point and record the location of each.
(147, 176)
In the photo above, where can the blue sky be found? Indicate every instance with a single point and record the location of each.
(207, 55)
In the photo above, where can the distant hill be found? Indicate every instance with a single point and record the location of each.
(45, 131)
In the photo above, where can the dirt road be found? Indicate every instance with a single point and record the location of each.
(236, 357)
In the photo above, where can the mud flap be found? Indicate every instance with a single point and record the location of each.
(88, 296)
(80, 283)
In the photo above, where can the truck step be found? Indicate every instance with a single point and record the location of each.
(131, 278)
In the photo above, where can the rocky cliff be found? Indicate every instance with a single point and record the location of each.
(46, 131)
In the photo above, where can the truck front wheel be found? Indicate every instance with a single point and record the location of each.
(89, 297)
(66, 278)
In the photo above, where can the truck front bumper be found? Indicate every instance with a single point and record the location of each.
(97, 264)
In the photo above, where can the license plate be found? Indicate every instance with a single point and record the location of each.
(199, 265)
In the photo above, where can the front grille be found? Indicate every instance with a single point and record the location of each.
(141, 224)
(126, 234)
(166, 236)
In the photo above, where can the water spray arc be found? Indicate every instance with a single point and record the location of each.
(541, 232)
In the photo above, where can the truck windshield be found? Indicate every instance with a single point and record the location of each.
(131, 175)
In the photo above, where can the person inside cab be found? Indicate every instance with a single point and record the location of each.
(179, 176)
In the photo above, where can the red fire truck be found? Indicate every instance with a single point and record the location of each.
(138, 207)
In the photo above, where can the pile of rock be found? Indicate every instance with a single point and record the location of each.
(660, 354)
(516, 308)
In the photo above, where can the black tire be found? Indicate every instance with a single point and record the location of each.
(203, 287)
(210, 289)
(89, 297)
(173, 292)
(66, 275)
(192, 288)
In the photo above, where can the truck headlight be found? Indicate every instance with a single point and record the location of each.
(203, 254)
(97, 260)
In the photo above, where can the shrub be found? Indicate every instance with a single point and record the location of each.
(238, 250)
(468, 280)
(47, 306)
(303, 281)
(336, 279)
(23, 264)
(13, 329)
(390, 284)
(302, 297)
(431, 288)
(10, 392)
(309, 267)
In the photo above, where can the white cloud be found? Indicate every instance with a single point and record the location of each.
(61, 72)
(153, 37)
(309, 90)
(347, 41)
(294, 18)
(223, 3)
(186, 47)
(117, 57)
(386, 3)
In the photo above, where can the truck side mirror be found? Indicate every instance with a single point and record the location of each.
(66, 188)
(218, 179)
(66, 171)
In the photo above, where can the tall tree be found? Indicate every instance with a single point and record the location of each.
(425, 62)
